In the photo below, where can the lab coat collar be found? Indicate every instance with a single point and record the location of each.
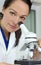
(11, 41)
(2, 41)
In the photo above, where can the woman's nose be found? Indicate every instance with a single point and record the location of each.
(16, 20)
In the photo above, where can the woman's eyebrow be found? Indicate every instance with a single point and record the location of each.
(24, 15)
(13, 10)
(16, 12)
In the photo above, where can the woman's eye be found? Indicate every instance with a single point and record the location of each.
(12, 13)
(23, 18)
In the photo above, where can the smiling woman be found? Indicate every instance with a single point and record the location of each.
(12, 37)
(15, 14)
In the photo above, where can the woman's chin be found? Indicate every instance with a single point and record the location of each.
(12, 30)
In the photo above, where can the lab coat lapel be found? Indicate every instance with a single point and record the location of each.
(21, 41)
(11, 41)
(2, 43)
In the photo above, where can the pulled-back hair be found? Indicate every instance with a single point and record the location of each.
(6, 5)
(8, 2)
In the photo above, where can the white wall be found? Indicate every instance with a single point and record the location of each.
(37, 8)
(1, 4)
(36, 1)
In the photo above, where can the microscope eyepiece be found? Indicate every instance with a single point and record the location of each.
(20, 23)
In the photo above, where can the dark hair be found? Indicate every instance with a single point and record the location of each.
(17, 35)
(29, 3)
(8, 2)
(18, 32)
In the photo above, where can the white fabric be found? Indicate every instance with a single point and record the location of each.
(14, 53)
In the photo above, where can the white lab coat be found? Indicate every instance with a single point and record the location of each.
(14, 53)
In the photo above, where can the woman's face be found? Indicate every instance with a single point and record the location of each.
(16, 12)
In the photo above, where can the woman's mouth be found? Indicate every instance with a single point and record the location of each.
(12, 26)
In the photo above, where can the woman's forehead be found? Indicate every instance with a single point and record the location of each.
(20, 6)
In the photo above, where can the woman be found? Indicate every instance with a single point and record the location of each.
(12, 38)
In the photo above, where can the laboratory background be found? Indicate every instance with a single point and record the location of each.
(33, 21)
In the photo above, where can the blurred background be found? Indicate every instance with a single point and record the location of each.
(33, 21)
